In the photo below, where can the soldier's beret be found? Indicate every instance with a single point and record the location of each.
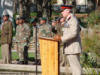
(68, 7)
(32, 20)
(43, 18)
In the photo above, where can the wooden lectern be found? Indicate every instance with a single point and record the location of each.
(49, 56)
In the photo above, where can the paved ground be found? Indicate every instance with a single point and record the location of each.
(15, 62)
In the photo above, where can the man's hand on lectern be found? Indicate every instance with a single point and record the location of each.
(57, 37)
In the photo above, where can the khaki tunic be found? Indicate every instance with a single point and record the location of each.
(6, 32)
(72, 44)
(71, 36)
(6, 40)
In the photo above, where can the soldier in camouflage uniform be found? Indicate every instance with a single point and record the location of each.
(35, 30)
(35, 39)
(22, 38)
(6, 39)
(17, 21)
(44, 28)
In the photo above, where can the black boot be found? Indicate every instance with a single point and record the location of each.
(20, 62)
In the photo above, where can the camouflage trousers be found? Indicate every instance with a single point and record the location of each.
(22, 51)
(6, 53)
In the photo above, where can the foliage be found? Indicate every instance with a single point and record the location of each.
(15, 55)
(55, 13)
(0, 52)
(90, 71)
(82, 22)
(93, 18)
(91, 44)
(89, 62)
(14, 16)
(33, 14)
(88, 59)
(53, 1)
(0, 37)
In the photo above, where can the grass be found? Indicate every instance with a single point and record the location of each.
(15, 55)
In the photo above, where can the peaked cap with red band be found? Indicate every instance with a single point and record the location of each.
(63, 7)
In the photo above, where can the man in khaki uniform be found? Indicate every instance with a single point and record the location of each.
(71, 40)
(56, 29)
(6, 39)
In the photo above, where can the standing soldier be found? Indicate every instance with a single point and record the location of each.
(6, 38)
(35, 39)
(17, 20)
(44, 28)
(34, 24)
(22, 38)
(71, 40)
(16, 24)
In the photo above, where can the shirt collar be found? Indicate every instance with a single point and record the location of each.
(68, 17)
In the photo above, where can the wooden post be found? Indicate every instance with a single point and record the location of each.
(49, 56)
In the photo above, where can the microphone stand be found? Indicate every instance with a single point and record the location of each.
(36, 49)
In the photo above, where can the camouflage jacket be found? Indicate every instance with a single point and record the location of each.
(22, 33)
(6, 32)
(57, 30)
(45, 31)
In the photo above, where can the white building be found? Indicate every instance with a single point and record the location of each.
(81, 2)
(8, 6)
(60, 2)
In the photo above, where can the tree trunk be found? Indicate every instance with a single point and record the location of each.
(27, 8)
(21, 7)
(39, 8)
(46, 8)
(64, 2)
(15, 7)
